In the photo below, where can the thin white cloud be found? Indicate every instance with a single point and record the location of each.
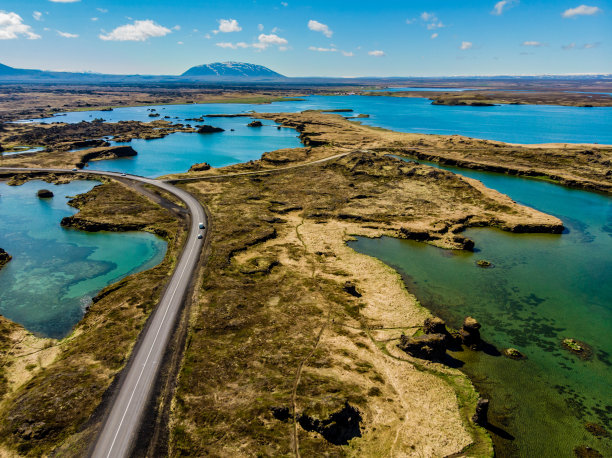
(347, 53)
(12, 27)
(571, 46)
(317, 26)
(180, 43)
(138, 31)
(314, 48)
(285, 4)
(428, 16)
(582, 10)
(435, 25)
(233, 45)
(465, 45)
(37, 15)
(102, 10)
(260, 27)
(67, 35)
(534, 44)
(176, 27)
(263, 42)
(410, 21)
(229, 25)
(432, 20)
(94, 19)
(434, 36)
(502, 5)
(64, 1)
(377, 53)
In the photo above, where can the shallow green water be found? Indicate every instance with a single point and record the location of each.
(55, 271)
(542, 289)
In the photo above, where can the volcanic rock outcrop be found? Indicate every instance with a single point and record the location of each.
(206, 129)
(470, 333)
(44, 194)
(4, 258)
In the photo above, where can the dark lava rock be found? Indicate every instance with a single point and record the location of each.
(480, 415)
(255, 124)
(596, 430)
(110, 152)
(154, 115)
(281, 413)
(513, 353)
(202, 167)
(434, 325)
(470, 332)
(350, 288)
(584, 451)
(44, 194)
(4, 257)
(484, 264)
(206, 129)
(578, 348)
(426, 346)
(339, 428)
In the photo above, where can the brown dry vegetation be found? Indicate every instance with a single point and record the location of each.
(59, 140)
(581, 166)
(275, 327)
(491, 97)
(36, 101)
(53, 387)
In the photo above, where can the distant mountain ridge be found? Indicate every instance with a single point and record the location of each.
(221, 72)
(246, 74)
(233, 70)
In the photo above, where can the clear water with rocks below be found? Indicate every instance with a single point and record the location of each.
(543, 288)
(55, 271)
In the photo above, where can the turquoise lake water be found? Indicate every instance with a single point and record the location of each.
(542, 289)
(177, 152)
(55, 271)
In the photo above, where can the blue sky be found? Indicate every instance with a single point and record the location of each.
(314, 38)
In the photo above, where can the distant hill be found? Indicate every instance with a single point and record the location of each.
(6, 70)
(233, 70)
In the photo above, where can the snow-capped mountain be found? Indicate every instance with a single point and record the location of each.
(233, 70)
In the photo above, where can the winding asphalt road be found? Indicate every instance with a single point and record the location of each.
(123, 421)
